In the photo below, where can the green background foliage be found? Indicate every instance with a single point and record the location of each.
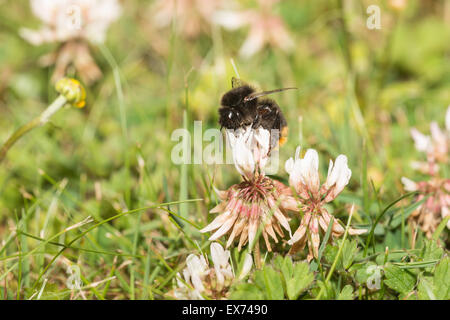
(360, 92)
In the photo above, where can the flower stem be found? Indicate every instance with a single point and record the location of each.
(257, 252)
(36, 122)
(336, 259)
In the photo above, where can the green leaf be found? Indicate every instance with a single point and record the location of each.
(442, 280)
(346, 293)
(259, 279)
(246, 291)
(300, 280)
(330, 253)
(431, 250)
(362, 275)
(327, 289)
(442, 225)
(286, 267)
(393, 239)
(426, 289)
(349, 253)
(399, 280)
(272, 283)
(438, 286)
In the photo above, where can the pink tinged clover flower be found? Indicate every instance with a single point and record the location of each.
(265, 28)
(191, 17)
(250, 148)
(72, 19)
(200, 279)
(436, 146)
(429, 214)
(436, 207)
(304, 178)
(258, 201)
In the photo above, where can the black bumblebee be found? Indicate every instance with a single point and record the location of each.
(241, 107)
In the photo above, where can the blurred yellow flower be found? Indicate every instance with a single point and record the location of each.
(72, 90)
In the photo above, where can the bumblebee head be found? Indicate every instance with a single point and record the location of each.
(236, 96)
(230, 118)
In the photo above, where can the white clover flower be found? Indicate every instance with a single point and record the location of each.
(304, 175)
(71, 19)
(196, 269)
(338, 177)
(248, 205)
(202, 280)
(436, 146)
(265, 28)
(258, 200)
(250, 148)
(74, 24)
(409, 185)
(193, 275)
(430, 213)
(421, 141)
(247, 266)
(191, 17)
(221, 261)
(304, 178)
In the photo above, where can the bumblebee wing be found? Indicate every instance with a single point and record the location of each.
(265, 93)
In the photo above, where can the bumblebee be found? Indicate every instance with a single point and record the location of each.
(242, 107)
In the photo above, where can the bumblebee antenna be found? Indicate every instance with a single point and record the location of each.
(234, 67)
(265, 93)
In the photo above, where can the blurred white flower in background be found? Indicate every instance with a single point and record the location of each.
(191, 17)
(435, 192)
(265, 27)
(435, 207)
(71, 19)
(436, 146)
(398, 5)
(74, 24)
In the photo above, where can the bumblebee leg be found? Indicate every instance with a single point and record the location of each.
(283, 136)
